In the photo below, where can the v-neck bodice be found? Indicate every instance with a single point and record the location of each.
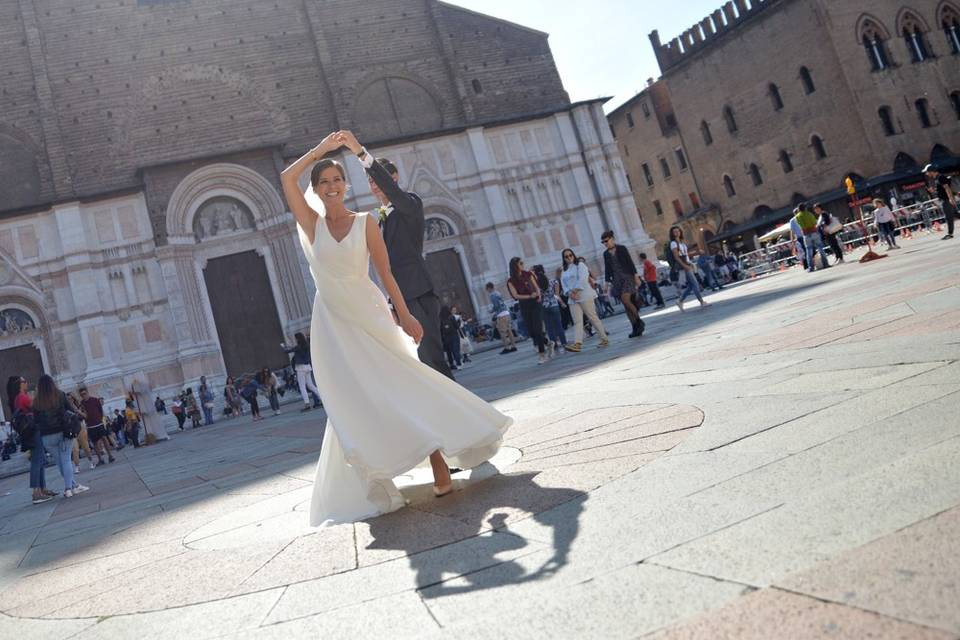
(346, 258)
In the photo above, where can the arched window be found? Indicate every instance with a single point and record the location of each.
(955, 101)
(762, 212)
(923, 112)
(950, 22)
(904, 162)
(730, 120)
(705, 130)
(874, 39)
(785, 161)
(476, 86)
(819, 152)
(886, 120)
(913, 32)
(775, 98)
(755, 175)
(807, 81)
(728, 186)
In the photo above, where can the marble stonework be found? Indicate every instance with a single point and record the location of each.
(110, 298)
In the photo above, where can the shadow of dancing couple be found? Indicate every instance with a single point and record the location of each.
(468, 564)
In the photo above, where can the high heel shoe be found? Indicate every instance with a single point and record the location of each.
(439, 492)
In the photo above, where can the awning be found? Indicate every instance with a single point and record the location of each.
(782, 230)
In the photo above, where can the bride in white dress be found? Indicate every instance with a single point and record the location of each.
(387, 412)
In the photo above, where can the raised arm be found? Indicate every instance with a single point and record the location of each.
(290, 179)
(402, 201)
(381, 262)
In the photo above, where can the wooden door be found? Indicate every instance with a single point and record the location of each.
(245, 313)
(449, 281)
(24, 361)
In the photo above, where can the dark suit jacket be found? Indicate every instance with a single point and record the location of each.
(623, 257)
(403, 235)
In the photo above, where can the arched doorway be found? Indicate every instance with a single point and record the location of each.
(445, 264)
(234, 259)
(21, 347)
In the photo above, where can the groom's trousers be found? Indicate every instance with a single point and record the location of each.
(426, 309)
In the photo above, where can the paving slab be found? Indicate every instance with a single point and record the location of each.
(800, 433)
(909, 575)
(769, 613)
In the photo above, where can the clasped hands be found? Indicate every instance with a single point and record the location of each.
(337, 139)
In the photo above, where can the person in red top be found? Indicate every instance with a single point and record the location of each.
(525, 290)
(19, 401)
(92, 409)
(650, 277)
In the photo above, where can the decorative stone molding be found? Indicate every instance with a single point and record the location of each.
(222, 179)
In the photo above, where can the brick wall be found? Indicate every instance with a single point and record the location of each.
(100, 89)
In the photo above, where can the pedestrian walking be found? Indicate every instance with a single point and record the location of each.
(566, 317)
(502, 319)
(811, 236)
(231, 397)
(92, 410)
(82, 441)
(523, 288)
(58, 426)
(575, 281)
(886, 223)
(302, 365)
(681, 257)
(450, 337)
(939, 185)
(830, 228)
(621, 273)
(550, 307)
(650, 278)
(160, 405)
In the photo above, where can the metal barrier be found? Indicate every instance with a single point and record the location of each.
(780, 256)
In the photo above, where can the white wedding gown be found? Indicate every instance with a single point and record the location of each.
(387, 412)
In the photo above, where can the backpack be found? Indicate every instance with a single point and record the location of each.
(672, 261)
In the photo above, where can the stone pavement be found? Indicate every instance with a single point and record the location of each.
(783, 464)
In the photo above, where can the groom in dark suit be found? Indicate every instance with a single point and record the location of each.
(402, 222)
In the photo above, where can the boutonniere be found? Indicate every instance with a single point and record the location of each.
(382, 214)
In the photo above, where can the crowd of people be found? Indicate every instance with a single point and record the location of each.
(543, 307)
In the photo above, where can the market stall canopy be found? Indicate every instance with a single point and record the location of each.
(783, 229)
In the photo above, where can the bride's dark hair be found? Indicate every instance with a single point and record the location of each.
(321, 166)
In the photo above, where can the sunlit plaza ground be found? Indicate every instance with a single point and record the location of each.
(782, 464)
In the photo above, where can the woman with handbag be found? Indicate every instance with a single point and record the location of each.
(206, 401)
(58, 426)
(31, 442)
(830, 229)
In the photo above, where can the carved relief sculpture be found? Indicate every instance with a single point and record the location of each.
(220, 216)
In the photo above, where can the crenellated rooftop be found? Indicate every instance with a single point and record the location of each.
(703, 34)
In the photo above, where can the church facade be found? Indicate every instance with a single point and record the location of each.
(141, 222)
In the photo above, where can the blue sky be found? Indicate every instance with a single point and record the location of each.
(601, 47)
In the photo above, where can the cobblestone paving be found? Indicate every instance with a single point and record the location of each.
(782, 464)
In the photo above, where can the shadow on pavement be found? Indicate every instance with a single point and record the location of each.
(488, 506)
